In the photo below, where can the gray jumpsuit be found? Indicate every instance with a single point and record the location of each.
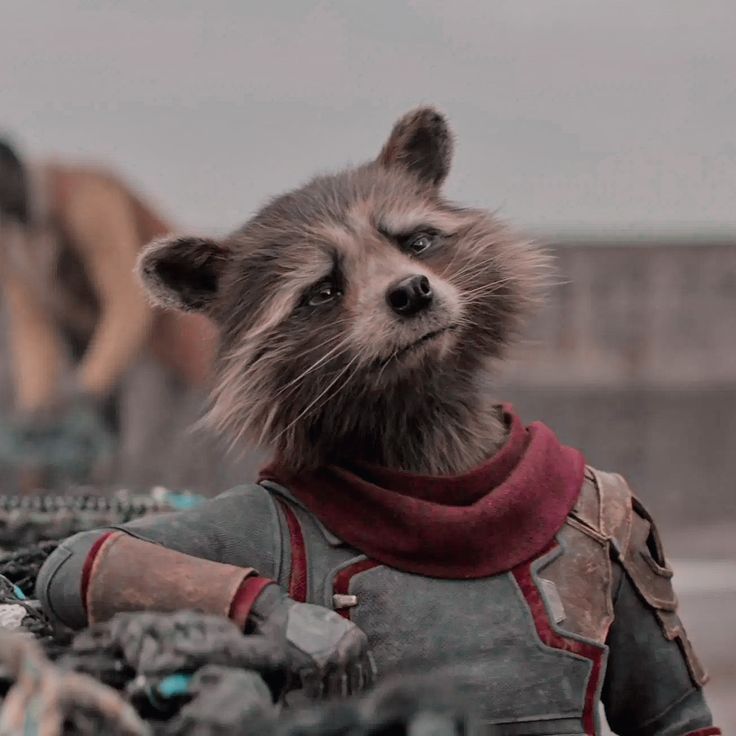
(592, 618)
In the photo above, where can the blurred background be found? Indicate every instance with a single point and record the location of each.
(606, 130)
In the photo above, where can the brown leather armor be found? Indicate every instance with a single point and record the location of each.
(608, 520)
(128, 574)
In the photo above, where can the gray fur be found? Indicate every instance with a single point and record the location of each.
(349, 380)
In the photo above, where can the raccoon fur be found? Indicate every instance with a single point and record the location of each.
(360, 314)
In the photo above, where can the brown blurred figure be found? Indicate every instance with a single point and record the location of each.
(69, 237)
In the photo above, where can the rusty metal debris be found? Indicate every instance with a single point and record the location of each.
(148, 674)
(30, 518)
(190, 674)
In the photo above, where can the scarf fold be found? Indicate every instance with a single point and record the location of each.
(484, 522)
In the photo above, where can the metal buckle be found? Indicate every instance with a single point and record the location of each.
(340, 600)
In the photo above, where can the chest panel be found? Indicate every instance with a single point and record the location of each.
(479, 633)
(529, 669)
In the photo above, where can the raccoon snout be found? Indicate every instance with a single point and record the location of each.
(410, 296)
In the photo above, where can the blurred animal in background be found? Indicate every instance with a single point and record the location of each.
(77, 320)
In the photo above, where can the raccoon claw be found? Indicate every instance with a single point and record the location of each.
(326, 654)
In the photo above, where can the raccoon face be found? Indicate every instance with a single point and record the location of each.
(353, 287)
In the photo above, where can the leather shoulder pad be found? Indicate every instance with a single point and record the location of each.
(648, 570)
(604, 509)
(635, 543)
(645, 564)
(637, 546)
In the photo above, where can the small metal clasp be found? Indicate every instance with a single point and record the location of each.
(339, 600)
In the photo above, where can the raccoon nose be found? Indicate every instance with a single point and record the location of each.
(410, 295)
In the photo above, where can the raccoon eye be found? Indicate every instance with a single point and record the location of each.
(419, 242)
(323, 293)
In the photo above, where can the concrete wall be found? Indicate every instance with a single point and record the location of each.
(634, 361)
(652, 313)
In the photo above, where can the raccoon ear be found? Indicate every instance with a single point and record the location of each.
(421, 142)
(183, 272)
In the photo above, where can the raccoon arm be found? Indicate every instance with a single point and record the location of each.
(94, 575)
(235, 531)
(58, 585)
(653, 684)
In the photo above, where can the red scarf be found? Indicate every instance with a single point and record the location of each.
(486, 521)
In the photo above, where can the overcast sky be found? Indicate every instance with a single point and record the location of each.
(569, 113)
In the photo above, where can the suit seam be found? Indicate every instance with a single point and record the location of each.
(670, 707)
(280, 563)
(278, 537)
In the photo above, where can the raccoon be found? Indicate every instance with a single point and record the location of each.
(407, 523)
(359, 314)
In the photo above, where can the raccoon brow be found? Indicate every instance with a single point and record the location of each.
(336, 272)
(405, 233)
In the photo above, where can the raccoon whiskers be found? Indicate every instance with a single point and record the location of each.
(473, 282)
(385, 364)
(336, 323)
(259, 419)
(317, 363)
(314, 401)
(482, 294)
(268, 422)
(465, 321)
(485, 290)
(472, 267)
(342, 386)
(450, 264)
